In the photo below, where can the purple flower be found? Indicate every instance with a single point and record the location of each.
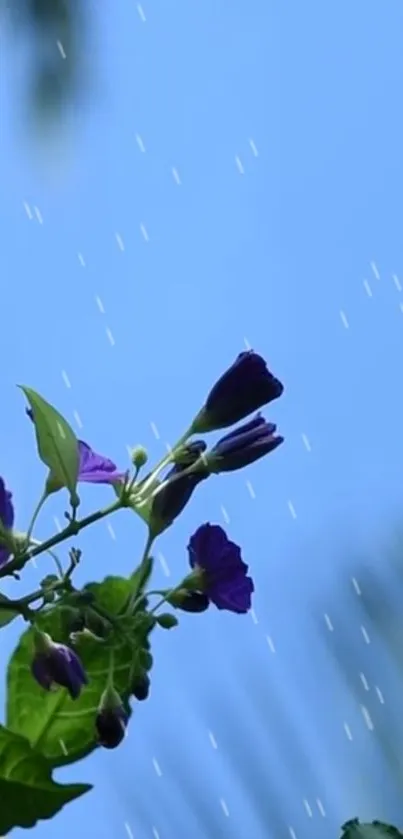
(55, 664)
(6, 517)
(111, 725)
(96, 469)
(245, 387)
(173, 495)
(93, 468)
(224, 574)
(243, 446)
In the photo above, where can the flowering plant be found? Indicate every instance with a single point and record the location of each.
(85, 655)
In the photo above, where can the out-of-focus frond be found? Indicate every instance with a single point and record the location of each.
(53, 37)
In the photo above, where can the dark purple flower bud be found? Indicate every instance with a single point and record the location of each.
(6, 517)
(111, 720)
(175, 492)
(243, 446)
(189, 601)
(55, 664)
(226, 582)
(245, 387)
(93, 468)
(141, 687)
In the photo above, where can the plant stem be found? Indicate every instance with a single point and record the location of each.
(147, 549)
(165, 598)
(56, 560)
(136, 598)
(72, 529)
(37, 510)
(150, 478)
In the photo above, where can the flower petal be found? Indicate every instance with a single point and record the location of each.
(6, 506)
(95, 468)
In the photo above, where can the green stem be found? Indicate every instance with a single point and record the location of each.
(147, 549)
(168, 458)
(135, 598)
(165, 598)
(56, 560)
(37, 510)
(72, 529)
(22, 605)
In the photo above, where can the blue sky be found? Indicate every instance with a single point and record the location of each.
(127, 293)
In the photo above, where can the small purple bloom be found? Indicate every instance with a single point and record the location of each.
(96, 469)
(225, 580)
(111, 725)
(177, 488)
(6, 517)
(56, 664)
(243, 446)
(93, 468)
(245, 387)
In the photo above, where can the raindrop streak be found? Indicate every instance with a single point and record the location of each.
(77, 418)
(141, 12)
(250, 489)
(164, 565)
(157, 767)
(110, 337)
(239, 165)
(66, 379)
(270, 643)
(119, 241)
(155, 431)
(348, 731)
(100, 305)
(144, 233)
(213, 741)
(375, 271)
(60, 47)
(292, 509)
(344, 319)
(224, 807)
(397, 282)
(28, 210)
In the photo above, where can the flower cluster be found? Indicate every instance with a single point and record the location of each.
(217, 573)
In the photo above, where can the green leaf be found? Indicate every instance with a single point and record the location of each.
(6, 615)
(145, 659)
(167, 621)
(57, 445)
(375, 830)
(28, 792)
(61, 729)
(112, 594)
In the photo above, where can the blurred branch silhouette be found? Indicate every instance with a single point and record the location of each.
(367, 646)
(53, 32)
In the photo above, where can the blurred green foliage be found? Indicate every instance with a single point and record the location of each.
(54, 36)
